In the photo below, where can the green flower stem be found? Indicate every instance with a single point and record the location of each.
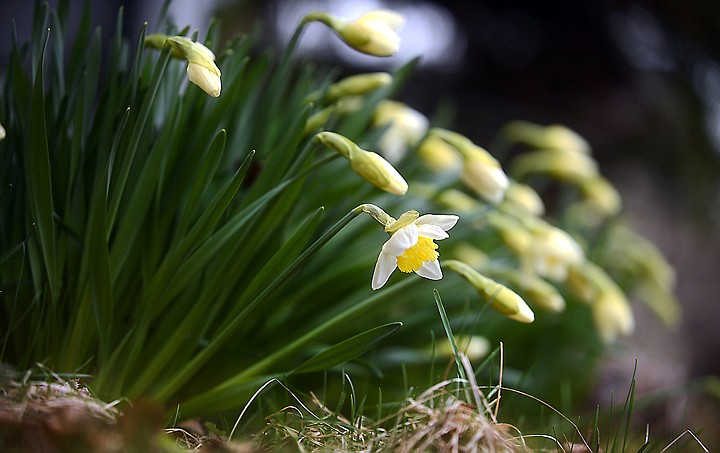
(226, 333)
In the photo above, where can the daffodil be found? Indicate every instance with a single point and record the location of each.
(371, 166)
(411, 247)
(481, 172)
(503, 299)
(405, 127)
(201, 70)
(373, 33)
(554, 136)
(524, 197)
(552, 250)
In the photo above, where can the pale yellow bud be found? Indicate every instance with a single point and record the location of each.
(587, 280)
(524, 197)
(438, 155)
(2, 132)
(538, 292)
(568, 166)
(553, 250)
(207, 79)
(473, 346)
(369, 165)
(201, 70)
(405, 127)
(513, 233)
(456, 200)
(555, 136)
(481, 172)
(373, 33)
(500, 297)
(612, 315)
(469, 254)
(600, 196)
(357, 85)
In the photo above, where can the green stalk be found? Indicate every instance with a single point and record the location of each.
(225, 334)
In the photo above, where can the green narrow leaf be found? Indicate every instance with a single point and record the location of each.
(39, 178)
(348, 349)
(211, 162)
(449, 333)
(226, 333)
(118, 183)
(173, 336)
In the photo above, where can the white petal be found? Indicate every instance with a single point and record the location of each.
(385, 266)
(443, 221)
(430, 270)
(432, 232)
(401, 240)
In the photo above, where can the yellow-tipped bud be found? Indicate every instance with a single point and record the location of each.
(481, 172)
(568, 166)
(373, 33)
(553, 250)
(524, 197)
(601, 196)
(358, 85)
(500, 297)
(612, 315)
(473, 346)
(2, 132)
(405, 128)
(201, 70)
(555, 136)
(538, 292)
(438, 155)
(611, 310)
(469, 254)
(369, 165)
(457, 201)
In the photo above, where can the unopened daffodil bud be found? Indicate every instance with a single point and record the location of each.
(481, 172)
(201, 70)
(373, 33)
(640, 257)
(473, 346)
(587, 280)
(612, 315)
(470, 255)
(369, 165)
(555, 136)
(438, 155)
(512, 232)
(536, 291)
(500, 297)
(318, 119)
(358, 85)
(525, 198)
(601, 196)
(611, 310)
(405, 127)
(553, 250)
(457, 201)
(568, 166)
(2, 132)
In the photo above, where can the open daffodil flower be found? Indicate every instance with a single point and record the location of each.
(411, 247)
